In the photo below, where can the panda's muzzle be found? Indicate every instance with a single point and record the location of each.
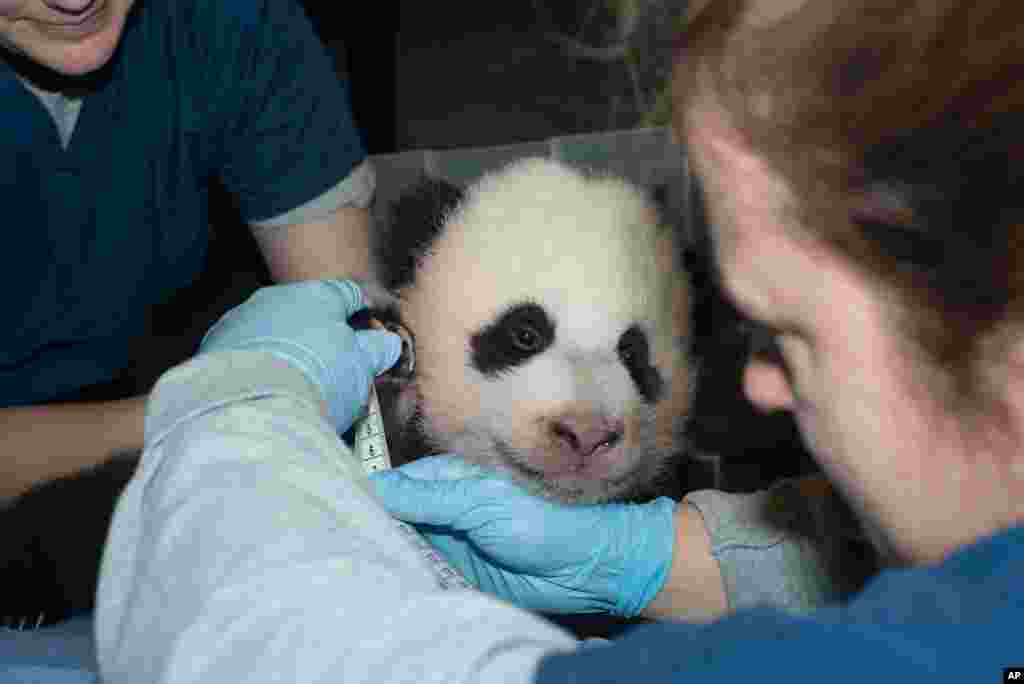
(585, 435)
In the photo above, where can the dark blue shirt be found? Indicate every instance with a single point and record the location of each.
(235, 90)
(960, 621)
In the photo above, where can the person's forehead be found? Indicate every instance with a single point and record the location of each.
(744, 206)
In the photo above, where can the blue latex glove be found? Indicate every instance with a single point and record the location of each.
(305, 325)
(539, 554)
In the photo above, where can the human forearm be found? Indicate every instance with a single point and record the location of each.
(693, 589)
(335, 247)
(48, 441)
(793, 546)
(785, 546)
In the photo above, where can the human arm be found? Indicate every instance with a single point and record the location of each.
(657, 559)
(48, 441)
(693, 588)
(248, 547)
(291, 155)
(333, 247)
(328, 237)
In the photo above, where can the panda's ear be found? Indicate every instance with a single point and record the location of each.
(416, 219)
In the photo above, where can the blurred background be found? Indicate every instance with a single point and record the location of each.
(480, 74)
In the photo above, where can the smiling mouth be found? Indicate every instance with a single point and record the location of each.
(82, 23)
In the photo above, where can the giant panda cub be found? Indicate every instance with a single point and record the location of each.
(550, 319)
(550, 315)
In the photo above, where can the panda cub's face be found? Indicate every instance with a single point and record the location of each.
(551, 323)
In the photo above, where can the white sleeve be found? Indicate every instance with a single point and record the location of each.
(248, 548)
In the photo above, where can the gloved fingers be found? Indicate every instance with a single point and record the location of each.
(300, 303)
(215, 336)
(485, 572)
(442, 467)
(425, 502)
(346, 297)
(375, 296)
(334, 299)
(381, 348)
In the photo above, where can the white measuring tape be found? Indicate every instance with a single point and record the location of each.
(371, 446)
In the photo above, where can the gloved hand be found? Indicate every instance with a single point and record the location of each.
(305, 325)
(539, 554)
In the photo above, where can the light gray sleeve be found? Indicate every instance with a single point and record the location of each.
(782, 547)
(355, 190)
(248, 548)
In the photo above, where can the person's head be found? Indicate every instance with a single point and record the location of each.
(70, 37)
(863, 166)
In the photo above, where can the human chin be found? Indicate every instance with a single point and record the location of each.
(77, 49)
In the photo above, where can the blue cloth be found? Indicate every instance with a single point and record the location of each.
(959, 621)
(61, 654)
(239, 91)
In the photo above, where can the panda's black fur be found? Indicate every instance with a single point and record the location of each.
(416, 220)
(52, 543)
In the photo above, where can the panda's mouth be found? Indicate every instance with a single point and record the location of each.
(575, 479)
(604, 461)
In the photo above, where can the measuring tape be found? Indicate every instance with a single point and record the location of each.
(371, 446)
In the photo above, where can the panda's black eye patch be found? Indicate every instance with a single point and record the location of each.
(635, 354)
(518, 334)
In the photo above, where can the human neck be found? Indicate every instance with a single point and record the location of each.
(49, 80)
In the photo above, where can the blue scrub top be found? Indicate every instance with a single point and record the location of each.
(956, 621)
(235, 90)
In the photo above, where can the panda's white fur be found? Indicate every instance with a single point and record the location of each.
(589, 250)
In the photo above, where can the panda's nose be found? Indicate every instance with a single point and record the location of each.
(585, 434)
